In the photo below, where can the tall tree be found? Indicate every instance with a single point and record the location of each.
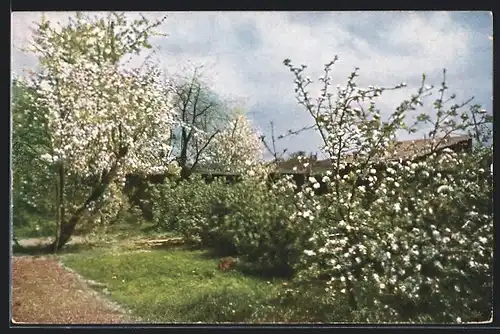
(103, 119)
(31, 175)
(201, 115)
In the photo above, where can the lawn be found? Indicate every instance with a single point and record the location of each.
(169, 283)
(175, 284)
(179, 285)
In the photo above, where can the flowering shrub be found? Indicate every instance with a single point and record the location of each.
(411, 241)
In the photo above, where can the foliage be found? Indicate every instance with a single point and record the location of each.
(33, 211)
(258, 217)
(249, 218)
(184, 206)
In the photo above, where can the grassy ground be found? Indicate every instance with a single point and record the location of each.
(178, 285)
(164, 284)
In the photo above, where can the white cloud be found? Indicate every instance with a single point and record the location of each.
(243, 53)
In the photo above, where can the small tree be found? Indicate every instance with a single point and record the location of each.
(235, 148)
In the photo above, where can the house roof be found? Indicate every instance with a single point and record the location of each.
(402, 150)
(420, 147)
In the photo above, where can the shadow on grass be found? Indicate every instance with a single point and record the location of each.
(37, 250)
(243, 307)
(168, 244)
(151, 229)
(222, 306)
(211, 253)
(251, 269)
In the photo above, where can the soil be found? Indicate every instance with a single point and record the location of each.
(44, 292)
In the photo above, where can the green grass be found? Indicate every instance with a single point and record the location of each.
(179, 285)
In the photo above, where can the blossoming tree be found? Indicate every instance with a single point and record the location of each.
(235, 148)
(103, 118)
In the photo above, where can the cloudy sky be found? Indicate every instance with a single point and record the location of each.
(242, 55)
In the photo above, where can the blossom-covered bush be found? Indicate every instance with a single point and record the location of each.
(413, 241)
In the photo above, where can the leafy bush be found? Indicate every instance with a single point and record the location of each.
(187, 207)
(246, 219)
(263, 233)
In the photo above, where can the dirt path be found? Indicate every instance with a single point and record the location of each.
(43, 292)
(45, 241)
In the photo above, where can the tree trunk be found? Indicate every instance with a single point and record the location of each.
(350, 295)
(60, 205)
(185, 173)
(65, 232)
(68, 227)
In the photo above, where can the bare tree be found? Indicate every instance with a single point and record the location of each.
(202, 114)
